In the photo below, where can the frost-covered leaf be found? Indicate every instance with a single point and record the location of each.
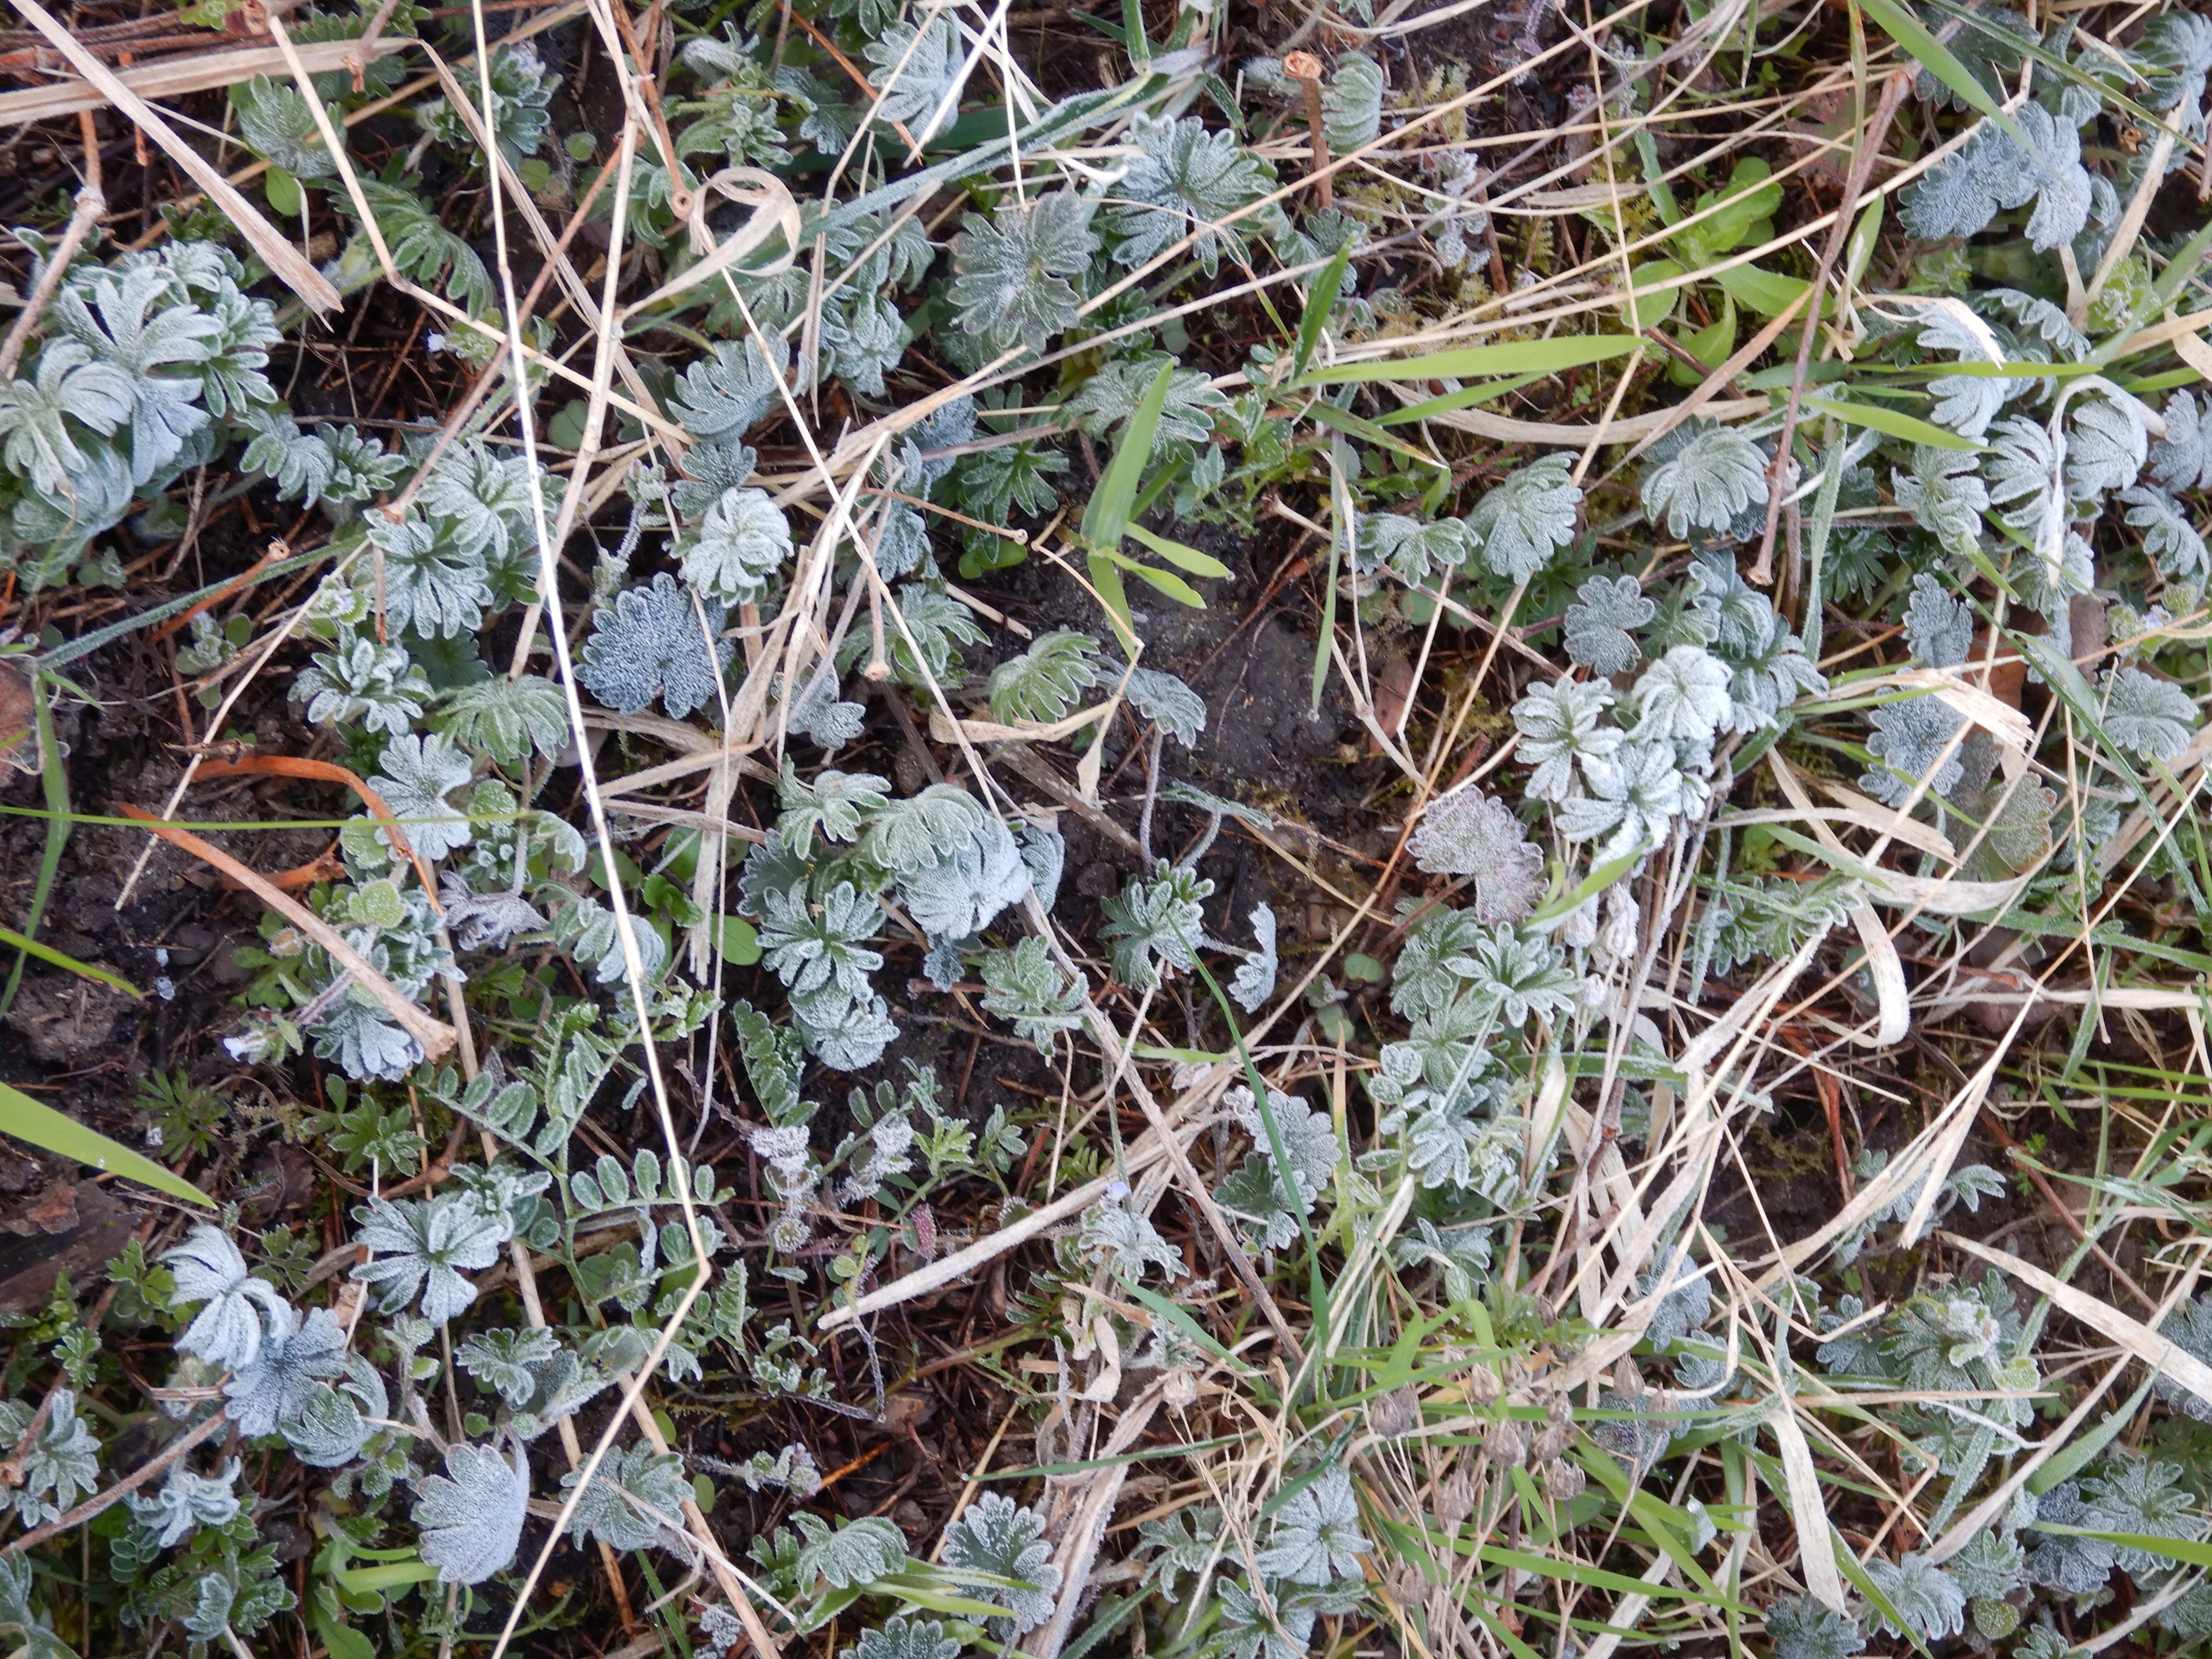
(298, 1357)
(901, 1638)
(960, 895)
(812, 948)
(635, 1491)
(425, 1245)
(1522, 524)
(1598, 624)
(1684, 695)
(509, 1361)
(1026, 985)
(1714, 474)
(722, 395)
(58, 1464)
(2183, 458)
(1967, 404)
(1991, 173)
(2151, 717)
(995, 1534)
(1468, 833)
(186, 1501)
(1167, 701)
(277, 125)
(1633, 797)
(1564, 730)
(915, 68)
(1909, 734)
(1011, 271)
(1939, 629)
(227, 1332)
(418, 775)
(1928, 1599)
(2168, 535)
(1253, 981)
(433, 583)
(505, 718)
(472, 1516)
(1315, 1538)
(1155, 921)
(1043, 682)
(856, 1553)
(1410, 546)
(1945, 496)
(835, 803)
(1182, 179)
(738, 548)
(1802, 1628)
(362, 683)
(1107, 400)
(924, 829)
(1351, 103)
(2106, 444)
(653, 644)
(2040, 318)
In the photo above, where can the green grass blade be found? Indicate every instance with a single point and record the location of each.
(1319, 303)
(1341, 498)
(42, 1126)
(47, 953)
(1114, 598)
(1940, 61)
(1890, 421)
(1108, 516)
(1186, 558)
(1519, 357)
(1488, 392)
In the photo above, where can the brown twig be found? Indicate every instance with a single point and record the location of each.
(122, 1489)
(90, 204)
(1304, 68)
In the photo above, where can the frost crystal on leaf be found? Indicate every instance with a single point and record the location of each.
(1598, 624)
(1155, 921)
(995, 1534)
(227, 1333)
(2106, 444)
(1714, 475)
(423, 1245)
(1128, 1243)
(902, 1637)
(721, 396)
(738, 548)
(2183, 458)
(1043, 682)
(1027, 986)
(2149, 716)
(1255, 978)
(1563, 728)
(1801, 1628)
(2168, 536)
(472, 1516)
(1183, 178)
(186, 1501)
(1944, 495)
(1011, 270)
(418, 773)
(1926, 1599)
(1684, 695)
(1908, 736)
(1519, 526)
(635, 1491)
(857, 1552)
(1939, 629)
(961, 895)
(1468, 833)
(652, 644)
(1991, 172)
(1316, 1538)
(1167, 701)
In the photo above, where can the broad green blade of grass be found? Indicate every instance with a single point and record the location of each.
(1518, 357)
(2072, 1458)
(1358, 426)
(42, 1126)
(1114, 598)
(1186, 558)
(1467, 398)
(1320, 301)
(1940, 61)
(1108, 515)
(47, 953)
(1341, 499)
(1581, 1573)
(1890, 421)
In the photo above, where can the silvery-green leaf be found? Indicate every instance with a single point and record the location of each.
(472, 1516)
